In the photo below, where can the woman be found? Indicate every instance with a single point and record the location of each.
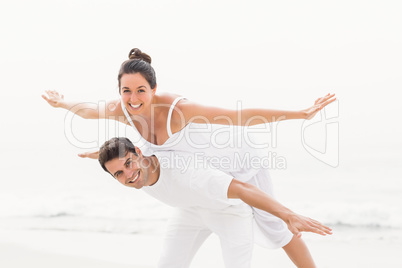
(170, 122)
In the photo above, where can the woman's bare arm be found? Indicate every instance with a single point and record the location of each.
(110, 109)
(192, 112)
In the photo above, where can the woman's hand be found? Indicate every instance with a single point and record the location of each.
(53, 98)
(298, 223)
(319, 104)
(92, 155)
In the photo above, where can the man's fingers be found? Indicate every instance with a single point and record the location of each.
(315, 230)
(320, 224)
(320, 228)
(91, 155)
(304, 224)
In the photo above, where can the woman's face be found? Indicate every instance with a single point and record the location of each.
(136, 93)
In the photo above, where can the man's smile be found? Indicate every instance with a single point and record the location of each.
(135, 178)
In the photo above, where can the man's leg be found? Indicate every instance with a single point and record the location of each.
(185, 234)
(234, 227)
(299, 253)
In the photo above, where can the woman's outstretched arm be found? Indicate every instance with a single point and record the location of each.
(110, 109)
(254, 197)
(188, 111)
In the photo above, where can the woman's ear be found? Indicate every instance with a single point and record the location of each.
(154, 90)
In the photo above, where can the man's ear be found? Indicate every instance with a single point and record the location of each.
(138, 151)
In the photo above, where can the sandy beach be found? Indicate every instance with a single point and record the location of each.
(38, 248)
(20, 256)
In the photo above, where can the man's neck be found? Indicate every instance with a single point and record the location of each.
(153, 170)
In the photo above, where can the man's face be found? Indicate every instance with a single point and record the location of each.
(130, 170)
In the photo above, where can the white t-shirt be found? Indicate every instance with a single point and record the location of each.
(183, 184)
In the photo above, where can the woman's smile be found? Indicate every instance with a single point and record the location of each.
(135, 107)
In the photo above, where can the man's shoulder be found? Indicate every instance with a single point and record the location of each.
(175, 161)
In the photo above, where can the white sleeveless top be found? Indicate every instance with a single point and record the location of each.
(227, 148)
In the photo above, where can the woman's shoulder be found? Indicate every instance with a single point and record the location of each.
(113, 107)
(167, 98)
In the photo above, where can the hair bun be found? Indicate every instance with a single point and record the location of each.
(136, 53)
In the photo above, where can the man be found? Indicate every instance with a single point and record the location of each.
(208, 200)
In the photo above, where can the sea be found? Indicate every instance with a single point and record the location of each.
(47, 186)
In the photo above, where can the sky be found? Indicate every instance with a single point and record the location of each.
(273, 54)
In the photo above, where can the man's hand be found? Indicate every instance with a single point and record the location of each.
(92, 155)
(298, 223)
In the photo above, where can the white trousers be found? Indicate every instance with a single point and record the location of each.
(189, 228)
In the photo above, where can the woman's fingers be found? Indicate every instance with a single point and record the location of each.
(53, 95)
(320, 99)
(324, 99)
(49, 100)
(45, 98)
(320, 104)
(328, 102)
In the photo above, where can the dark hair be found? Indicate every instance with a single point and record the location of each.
(138, 62)
(115, 148)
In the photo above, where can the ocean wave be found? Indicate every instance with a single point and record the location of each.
(357, 215)
(155, 222)
(84, 224)
(129, 213)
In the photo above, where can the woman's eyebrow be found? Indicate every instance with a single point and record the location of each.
(137, 87)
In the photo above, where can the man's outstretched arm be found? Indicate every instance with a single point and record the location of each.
(254, 197)
(92, 155)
